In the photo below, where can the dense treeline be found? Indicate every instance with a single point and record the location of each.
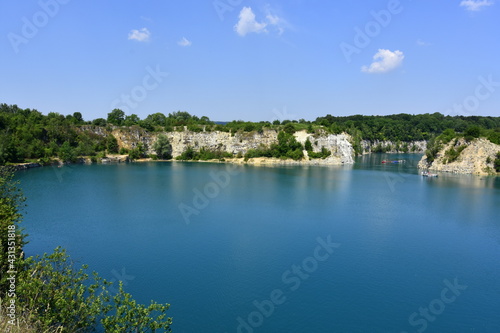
(405, 127)
(29, 135)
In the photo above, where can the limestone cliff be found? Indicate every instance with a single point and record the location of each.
(391, 147)
(240, 142)
(476, 158)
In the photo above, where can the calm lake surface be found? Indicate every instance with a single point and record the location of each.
(363, 248)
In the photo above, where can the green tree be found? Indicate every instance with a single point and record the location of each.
(496, 163)
(112, 144)
(163, 148)
(308, 145)
(138, 152)
(67, 153)
(131, 120)
(289, 128)
(157, 119)
(116, 117)
(472, 133)
(78, 117)
(99, 122)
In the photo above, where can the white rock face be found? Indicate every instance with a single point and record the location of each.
(472, 160)
(339, 145)
(417, 147)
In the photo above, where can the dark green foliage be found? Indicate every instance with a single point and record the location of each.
(112, 144)
(496, 163)
(405, 127)
(163, 148)
(447, 135)
(433, 148)
(147, 125)
(131, 120)
(324, 153)
(195, 128)
(138, 152)
(77, 116)
(187, 155)
(204, 155)
(116, 117)
(379, 148)
(239, 125)
(452, 154)
(183, 118)
(357, 137)
(287, 147)
(308, 145)
(472, 133)
(289, 128)
(99, 122)
(67, 153)
(494, 136)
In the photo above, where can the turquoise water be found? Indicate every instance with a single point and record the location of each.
(363, 248)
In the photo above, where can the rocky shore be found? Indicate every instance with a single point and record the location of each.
(476, 158)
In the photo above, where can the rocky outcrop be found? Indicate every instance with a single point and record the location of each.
(476, 158)
(417, 147)
(235, 143)
(115, 159)
(339, 145)
(25, 166)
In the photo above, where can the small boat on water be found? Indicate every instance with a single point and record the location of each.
(428, 174)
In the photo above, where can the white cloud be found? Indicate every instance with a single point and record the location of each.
(184, 42)
(384, 61)
(141, 35)
(475, 5)
(277, 22)
(248, 24)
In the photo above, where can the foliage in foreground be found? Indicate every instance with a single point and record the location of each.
(52, 295)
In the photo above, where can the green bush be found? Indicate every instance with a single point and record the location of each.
(496, 163)
(204, 154)
(195, 128)
(112, 144)
(433, 148)
(308, 145)
(447, 135)
(452, 154)
(163, 148)
(137, 153)
(324, 153)
(67, 153)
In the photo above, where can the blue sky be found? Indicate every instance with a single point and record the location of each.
(251, 60)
